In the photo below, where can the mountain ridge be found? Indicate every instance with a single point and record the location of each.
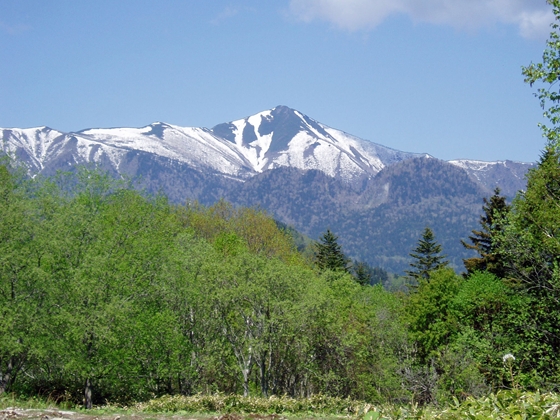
(304, 173)
(241, 148)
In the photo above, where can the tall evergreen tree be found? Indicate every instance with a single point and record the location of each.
(427, 256)
(328, 253)
(483, 241)
(362, 273)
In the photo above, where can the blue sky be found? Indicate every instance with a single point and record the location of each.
(435, 76)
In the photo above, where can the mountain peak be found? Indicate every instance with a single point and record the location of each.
(283, 136)
(278, 137)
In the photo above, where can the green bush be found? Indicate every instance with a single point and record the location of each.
(316, 404)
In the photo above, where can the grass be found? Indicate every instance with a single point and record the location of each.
(502, 405)
(317, 404)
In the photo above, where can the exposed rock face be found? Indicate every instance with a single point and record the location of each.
(305, 173)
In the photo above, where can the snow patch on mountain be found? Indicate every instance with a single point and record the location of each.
(286, 137)
(477, 165)
(33, 142)
(239, 149)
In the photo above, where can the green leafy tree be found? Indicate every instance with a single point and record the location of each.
(356, 340)
(328, 253)
(432, 322)
(546, 75)
(106, 249)
(483, 241)
(493, 321)
(427, 256)
(254, 297)
(530, 243)
(23, 283)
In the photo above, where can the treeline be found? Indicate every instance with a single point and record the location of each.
(109, 295)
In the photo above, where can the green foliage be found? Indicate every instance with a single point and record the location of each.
(547, 73)
(427, 257)
(316, 405)
(432, 321)
(109, 295)
(531, 242)
(362, 272)
(530, 248)
(484, 241)
(252, 227)
(367, 275)
(357, 341)
(328, 253)
(499, 405)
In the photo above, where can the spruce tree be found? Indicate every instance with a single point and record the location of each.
(483, 241)
(362, 273)
(328, 253)
(426, 256)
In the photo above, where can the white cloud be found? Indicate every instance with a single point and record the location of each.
(532, 17)
(225, 14)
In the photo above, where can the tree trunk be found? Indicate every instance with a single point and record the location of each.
(87, 395)
(264, 379)
(246, 373)
(6, 376)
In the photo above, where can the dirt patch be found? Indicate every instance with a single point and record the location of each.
(37, 414)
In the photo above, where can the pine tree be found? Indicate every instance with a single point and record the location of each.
(328, 253)
(427, 256)
(484, 240)
(362, 273)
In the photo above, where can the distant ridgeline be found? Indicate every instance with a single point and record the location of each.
(304, 173)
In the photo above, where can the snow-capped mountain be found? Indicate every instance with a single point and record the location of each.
(42, 148)
(303, 172)
(507, 174)
(239, 149)
(285, 137)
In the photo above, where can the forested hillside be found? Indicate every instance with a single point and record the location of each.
(106, 294)
(381, 223)
(109, 295)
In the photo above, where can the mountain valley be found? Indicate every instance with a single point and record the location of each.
(306, 174)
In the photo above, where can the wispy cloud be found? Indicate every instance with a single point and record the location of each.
(532, 17)
(225, 14)
(13, 29)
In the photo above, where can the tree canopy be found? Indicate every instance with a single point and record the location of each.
(427, 256)
(328, 253)
(484, 241)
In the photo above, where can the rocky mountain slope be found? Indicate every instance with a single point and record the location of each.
(305, 173)
(239, 149)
